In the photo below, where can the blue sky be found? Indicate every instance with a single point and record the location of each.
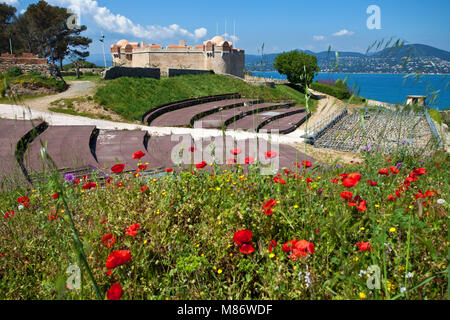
(281, 25)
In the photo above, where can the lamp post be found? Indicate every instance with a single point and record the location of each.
(102, 40)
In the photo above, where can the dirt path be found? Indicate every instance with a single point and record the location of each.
(76, 89)
(326, 105)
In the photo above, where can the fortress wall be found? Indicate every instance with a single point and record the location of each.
(187, 60)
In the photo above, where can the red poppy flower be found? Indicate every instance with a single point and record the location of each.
(307, 164)
(269, 204)
(169, 170)
(24, 201)
(243, 239)
(109, 180)
(118, 258)
(243, 236)
(279, 180)
(192, 149)
(364, 246)
(144, 188)
(246, 248)
(201, 165)
(287, 247)
(132, 230)
(55, 195)
(118, 168)
(372, 183)
(115, 292)
(430, 193)
(109, 240)
(138, 155)
(142, 167)
(394, 170)
(346, 195)
(391, 198)
(351, 180)
(419, 172)
(270, 154)
(231, 161)
(119, 185)
(362, 206)
(301, 249)
(309, 180)
(384, 171)
(9, 214)
(89, 185)
(236, 151)
(334, 181)
(249, 160)
(272, 244)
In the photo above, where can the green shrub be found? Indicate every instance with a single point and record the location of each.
(335, 91)
(14, 72)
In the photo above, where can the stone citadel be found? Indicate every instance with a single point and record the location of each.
(216, 54)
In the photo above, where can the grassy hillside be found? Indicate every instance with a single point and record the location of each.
(131, 97)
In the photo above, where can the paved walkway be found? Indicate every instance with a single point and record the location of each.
(76, 89)
(58, 119)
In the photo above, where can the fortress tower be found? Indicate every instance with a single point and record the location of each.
(216, 54)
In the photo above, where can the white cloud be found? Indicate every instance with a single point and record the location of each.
(343, 32)
(117, 23)
(11, 2)
(318, 38)
(233, 38)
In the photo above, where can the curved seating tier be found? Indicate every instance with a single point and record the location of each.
(182, 117)
(118, 146)
(68, 146)
(254, 121)
(14, 135)
(152, 114)
(285, 123)
(228, 116)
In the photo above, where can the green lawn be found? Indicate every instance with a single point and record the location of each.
(132, 97)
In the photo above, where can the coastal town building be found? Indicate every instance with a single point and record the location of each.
(216, 54)
(416, 100)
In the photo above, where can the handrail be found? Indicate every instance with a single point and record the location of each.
(433, 128)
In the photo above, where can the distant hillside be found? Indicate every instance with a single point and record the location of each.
(405, 59)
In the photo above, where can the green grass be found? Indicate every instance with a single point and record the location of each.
(337, 92)
(131, 97)
(81, 114)
(44, 81)
(93, 78)
(184, 248)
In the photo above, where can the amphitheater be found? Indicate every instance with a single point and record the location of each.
(80, 149)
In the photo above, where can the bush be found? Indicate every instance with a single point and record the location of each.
(335, 91)
(14, 72)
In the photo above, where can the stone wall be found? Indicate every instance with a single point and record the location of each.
(27, 62)
(181, 72)
(117, 72)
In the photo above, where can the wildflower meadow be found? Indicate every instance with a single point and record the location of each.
(376, 229)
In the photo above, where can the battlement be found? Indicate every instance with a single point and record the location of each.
(216, 54)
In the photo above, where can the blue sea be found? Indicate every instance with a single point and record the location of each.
(392, 88)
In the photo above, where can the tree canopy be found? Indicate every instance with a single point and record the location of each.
(299, 67)
(44, 30)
